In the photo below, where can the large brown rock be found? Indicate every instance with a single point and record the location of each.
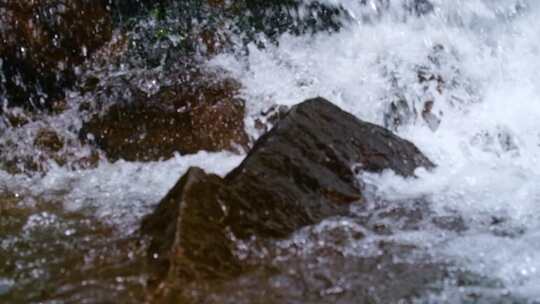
(201, 114)
(41, 43)
(189, 235)
(303, 171)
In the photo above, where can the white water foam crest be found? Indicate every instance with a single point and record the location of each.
(119, 193)
(487, 145)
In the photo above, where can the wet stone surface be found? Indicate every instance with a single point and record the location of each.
(42, 42)
(202, 114)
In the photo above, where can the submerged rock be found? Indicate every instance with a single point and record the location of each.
(42, 42)
(303, 171)
(205, 114)
(167, 32)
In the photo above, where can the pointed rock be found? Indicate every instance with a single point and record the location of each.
(303, 171)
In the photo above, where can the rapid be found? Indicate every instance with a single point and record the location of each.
(474, 62)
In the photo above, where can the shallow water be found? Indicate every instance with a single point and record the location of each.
(482, 134)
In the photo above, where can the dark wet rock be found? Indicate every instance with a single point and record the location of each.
(252, 19)
(42, 42)
(188, 229)
(201, 114)
(47, 139)
(301, 171)
(298, 174)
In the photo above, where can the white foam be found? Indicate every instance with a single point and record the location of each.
(119, 193)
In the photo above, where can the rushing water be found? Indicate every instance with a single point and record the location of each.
(482, 133)
(487, 144)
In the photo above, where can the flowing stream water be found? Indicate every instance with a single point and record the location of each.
(482, 58)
